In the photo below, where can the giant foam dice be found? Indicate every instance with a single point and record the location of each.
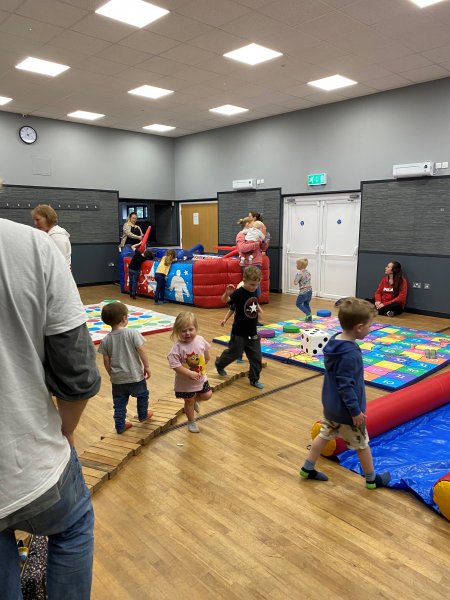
(314, 340)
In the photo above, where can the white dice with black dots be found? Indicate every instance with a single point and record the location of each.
(313, 341)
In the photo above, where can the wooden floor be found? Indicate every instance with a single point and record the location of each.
(223, 514)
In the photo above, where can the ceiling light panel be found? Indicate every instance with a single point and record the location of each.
(4, 100)
(132, 12)
(332, 83)
(149, 91)
(253, 54)
(43, 67)
(228, 109)
(425, 3)
(84, 114)
(158, 127)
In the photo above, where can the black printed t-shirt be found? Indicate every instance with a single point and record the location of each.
(136, 261)
(246, 312)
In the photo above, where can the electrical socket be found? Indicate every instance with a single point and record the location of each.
(427, 286)
(445, 165)
(416, 284)
(438, 165)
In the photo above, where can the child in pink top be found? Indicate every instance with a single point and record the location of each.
(188, 358)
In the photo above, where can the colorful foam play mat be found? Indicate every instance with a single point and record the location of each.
(144, 320)
(394, 357)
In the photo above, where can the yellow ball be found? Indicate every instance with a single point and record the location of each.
(441, 495)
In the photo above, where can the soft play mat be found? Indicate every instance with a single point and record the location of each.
(394, 356)
(144, 320)
(410, 437)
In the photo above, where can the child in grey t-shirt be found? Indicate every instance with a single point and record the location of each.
(127, 364)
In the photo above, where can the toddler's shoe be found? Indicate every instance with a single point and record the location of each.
(312, 474)
(239, 361)
(308, 319)
(221, 372)
(128, 425)
(257, 384)
(193, 427)
(380, 480)
(147, 418)
(390, 313)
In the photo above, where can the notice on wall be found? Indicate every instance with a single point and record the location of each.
(195, 218)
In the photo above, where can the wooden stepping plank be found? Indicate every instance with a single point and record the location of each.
(113, 451)
(121, 443)
(101, 457)
(92, 483)
(132, 435)
(99, 466)
(88, 471)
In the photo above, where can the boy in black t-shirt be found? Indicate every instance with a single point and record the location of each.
(243, 333)
(134, 268)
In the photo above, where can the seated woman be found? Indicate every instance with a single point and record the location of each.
(132, 233)
(390, 297)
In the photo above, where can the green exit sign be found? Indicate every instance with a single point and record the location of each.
(317, 179)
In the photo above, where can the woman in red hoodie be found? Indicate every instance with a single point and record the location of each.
(390, 297)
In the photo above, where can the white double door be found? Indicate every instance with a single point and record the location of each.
(324, 229)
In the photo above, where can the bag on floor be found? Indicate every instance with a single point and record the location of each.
(34, 572)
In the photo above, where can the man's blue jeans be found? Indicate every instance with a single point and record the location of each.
(69, 525)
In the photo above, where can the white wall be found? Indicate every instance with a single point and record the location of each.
(78, 155)
(351, 141)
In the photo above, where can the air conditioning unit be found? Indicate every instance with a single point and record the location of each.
(420, 169)
(243, 184)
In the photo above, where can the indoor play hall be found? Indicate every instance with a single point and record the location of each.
(181, 226)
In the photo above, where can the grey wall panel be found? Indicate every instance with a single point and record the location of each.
(406, 216)
(95, 263)
(90, 216)
(234, 205)
(422, 269)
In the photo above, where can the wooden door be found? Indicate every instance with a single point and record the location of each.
(199, 225)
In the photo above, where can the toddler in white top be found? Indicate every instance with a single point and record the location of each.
(255, 233)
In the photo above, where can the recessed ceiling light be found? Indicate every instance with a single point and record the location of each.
(43, 67)
(84, 114)
(332, 83)
(253, 54)
(228, 109)
(149, 91)
(157, 127)
(4, 100)
(425, 3)
(133, 12)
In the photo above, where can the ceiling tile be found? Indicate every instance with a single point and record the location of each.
(55, 13)
(86, 44)
(213, 13)
(29, 29)
(426, 73)
(178, 27)
(122, 54)
(147, 41)
(103, 28)
(186, 54)
(294, 12)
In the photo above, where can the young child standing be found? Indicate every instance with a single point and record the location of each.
(343, 394)
(244, 337)
(134, 268)
(303, 280)
(126, 363)
(161, 273)
(188, 358)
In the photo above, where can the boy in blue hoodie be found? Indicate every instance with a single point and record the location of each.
(344, 395)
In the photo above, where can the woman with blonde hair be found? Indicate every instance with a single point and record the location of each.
(132, 233)
(46, 219)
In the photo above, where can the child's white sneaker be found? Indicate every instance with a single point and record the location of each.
(193, 427)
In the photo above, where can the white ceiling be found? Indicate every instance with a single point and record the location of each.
(382, 44)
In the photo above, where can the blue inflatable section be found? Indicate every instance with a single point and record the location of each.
(416, 454)
(181, 254)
